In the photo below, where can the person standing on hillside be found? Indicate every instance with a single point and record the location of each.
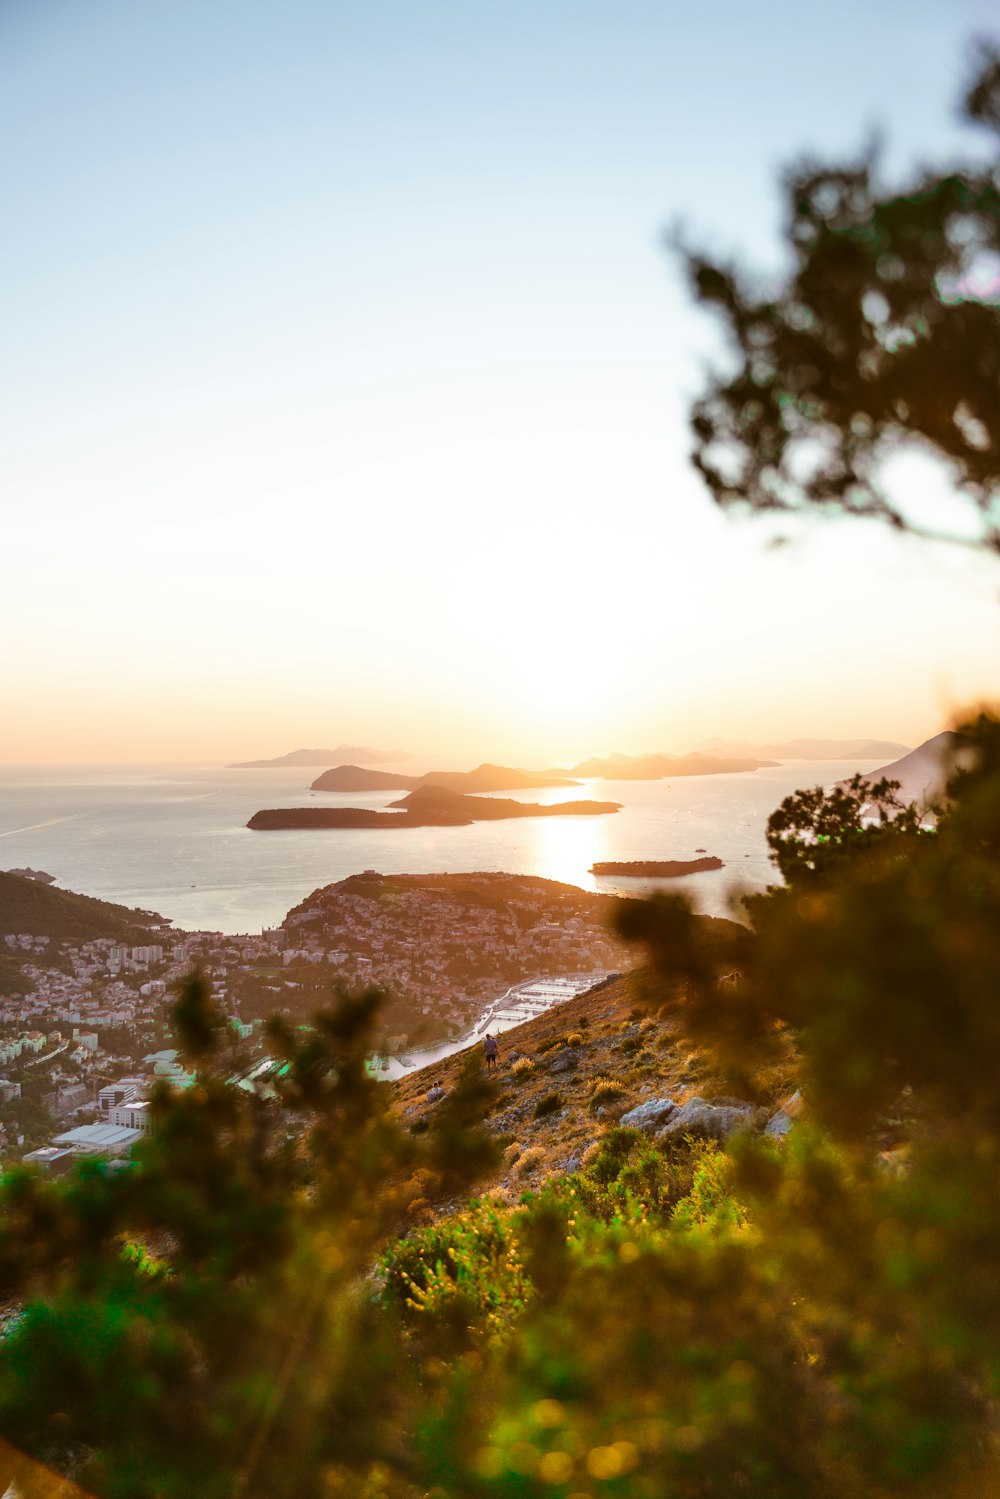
(491, 1052)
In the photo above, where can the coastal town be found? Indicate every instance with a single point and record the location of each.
(85, 1033)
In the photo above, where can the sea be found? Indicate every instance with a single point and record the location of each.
(173, 839)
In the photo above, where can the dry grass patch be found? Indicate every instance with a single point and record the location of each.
(522, 1067)
(606, 1092)
(530, 1160)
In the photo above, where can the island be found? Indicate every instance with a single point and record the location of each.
(319, 757)
(485, 777)
(659, 869)
(363, 778)
(427, 807)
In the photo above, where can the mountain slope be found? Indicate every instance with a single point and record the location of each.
(609, 1034)
(922, 773)
(63, 916)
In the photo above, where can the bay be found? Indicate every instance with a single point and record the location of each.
(174, 839)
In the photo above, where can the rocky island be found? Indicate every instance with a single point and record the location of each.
(660, 869)
(484, 778)
(427, 807)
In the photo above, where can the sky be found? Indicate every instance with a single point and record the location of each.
(345, 378)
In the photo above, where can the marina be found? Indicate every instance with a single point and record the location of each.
(519, 1003)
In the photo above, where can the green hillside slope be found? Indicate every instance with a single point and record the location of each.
(63, 916)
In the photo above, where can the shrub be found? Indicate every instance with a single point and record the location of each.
(511, 1154)
(606, 1091)
(530, 1160)
(550, 1104)
(574, 1039)
(552, 1044)
(522, 1067)
(470, 1261)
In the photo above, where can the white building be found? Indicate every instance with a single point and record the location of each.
(132, 1115)
(99, 1139)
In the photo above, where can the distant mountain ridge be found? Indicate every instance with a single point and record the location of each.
(321, 757)
(809, 749)
(620, 767)
(835, 749)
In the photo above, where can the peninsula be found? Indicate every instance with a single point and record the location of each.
(484, 778)
(660, 869)
(427, 807)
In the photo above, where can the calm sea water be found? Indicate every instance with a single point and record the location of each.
(174, 839)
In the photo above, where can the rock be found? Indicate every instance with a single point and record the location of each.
(565, 1061)
(711, 1121)
(781, 1121)
(574, 1162)
(433, 1094)
(649, 1116)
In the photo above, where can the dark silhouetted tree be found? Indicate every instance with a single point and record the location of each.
(886, 332)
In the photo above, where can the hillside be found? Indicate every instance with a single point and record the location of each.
(63, 916)
(609, 1035)
(445, 946)
(922, 773)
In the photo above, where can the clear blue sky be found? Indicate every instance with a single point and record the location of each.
(344, 377)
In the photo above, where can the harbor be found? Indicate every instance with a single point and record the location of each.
(519, 1003)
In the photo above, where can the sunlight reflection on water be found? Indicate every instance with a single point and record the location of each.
(177, 841)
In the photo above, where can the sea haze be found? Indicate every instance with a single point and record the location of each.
(175, 840)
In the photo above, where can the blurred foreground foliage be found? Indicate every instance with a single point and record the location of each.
(883, 337)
